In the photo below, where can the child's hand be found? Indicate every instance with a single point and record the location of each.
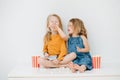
(56, 61)
(78, 49)
(46, 55)
(56, 27)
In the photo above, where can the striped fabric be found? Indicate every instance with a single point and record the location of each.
(35, 61)
(96, 60)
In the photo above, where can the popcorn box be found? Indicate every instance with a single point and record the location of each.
(35, 61)
(96, 62)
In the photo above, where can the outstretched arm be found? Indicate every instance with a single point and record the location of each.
(62, 34)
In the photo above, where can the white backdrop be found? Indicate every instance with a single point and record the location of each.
(23, 24)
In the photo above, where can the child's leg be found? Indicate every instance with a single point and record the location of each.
(81, 68)
(71, 66)
(47, 63)
(68, 58)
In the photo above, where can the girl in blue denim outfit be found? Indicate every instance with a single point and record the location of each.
(78, 58)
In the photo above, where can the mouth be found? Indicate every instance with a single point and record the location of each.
(68, 30)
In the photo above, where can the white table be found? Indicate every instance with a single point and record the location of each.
(28, 73)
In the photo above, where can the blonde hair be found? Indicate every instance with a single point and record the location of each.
(47, 36)
(78, 26)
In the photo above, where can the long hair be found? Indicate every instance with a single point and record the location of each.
(47, 36)
(79, 27)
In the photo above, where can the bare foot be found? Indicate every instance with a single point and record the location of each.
(81, 68)
(71, 66)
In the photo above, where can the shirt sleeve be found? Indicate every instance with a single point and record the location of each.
(45, 49)
(63, 51)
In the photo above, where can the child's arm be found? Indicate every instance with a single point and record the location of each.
(62, 34)
(86, 46)
(63, 51)
(45, 50)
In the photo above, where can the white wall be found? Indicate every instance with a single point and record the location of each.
(22, 27)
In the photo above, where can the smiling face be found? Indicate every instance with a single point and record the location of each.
(70, 28)
(52, 23)
(75, 27)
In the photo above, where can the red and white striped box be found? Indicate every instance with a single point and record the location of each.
(96, 62)
(35, 61)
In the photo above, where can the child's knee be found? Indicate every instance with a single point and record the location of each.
(73, 54)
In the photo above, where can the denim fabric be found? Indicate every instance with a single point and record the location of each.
(83, 58)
